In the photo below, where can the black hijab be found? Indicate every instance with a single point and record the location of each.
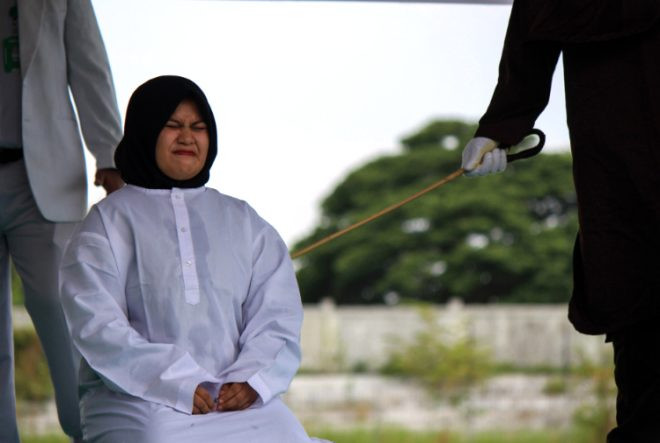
(149, 108)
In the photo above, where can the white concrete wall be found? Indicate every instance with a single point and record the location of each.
(340, 338)
(335, 338)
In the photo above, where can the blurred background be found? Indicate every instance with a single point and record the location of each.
(442, 322)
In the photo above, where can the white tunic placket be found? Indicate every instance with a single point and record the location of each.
(186, 249)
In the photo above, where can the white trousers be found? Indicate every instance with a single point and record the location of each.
(112, 417)
(35, 246)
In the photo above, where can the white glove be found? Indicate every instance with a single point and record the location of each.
(481, 157)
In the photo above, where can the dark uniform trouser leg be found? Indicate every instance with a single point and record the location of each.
(35, 246)
(637, 376)
(8, 426)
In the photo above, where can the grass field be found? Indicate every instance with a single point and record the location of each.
(403, 436)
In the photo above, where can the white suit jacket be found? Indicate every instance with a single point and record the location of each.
(61, 47)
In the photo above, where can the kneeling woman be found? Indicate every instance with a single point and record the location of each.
(182, 301)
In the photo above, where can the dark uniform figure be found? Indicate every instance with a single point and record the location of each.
(611, 56)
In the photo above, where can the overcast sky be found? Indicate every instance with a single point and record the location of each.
(303, 92)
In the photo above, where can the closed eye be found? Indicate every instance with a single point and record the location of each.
(200, 126)
(196, 126)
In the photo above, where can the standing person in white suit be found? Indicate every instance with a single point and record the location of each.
(182, 301)
(50, 47)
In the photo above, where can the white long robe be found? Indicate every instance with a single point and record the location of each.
(166, 289)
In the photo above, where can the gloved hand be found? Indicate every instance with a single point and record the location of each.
(481, 156)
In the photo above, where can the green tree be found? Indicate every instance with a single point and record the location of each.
(506, 237)
(16, 287)
(31, 370)
(446, 360)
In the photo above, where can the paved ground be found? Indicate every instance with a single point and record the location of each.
(504, 402)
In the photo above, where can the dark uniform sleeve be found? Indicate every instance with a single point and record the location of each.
(523, 86)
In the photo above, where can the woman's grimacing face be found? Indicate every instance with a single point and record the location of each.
(183, 143)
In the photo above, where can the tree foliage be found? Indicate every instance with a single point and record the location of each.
(506, 237)
(32, 374)
(448, 362)
(16, 287)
